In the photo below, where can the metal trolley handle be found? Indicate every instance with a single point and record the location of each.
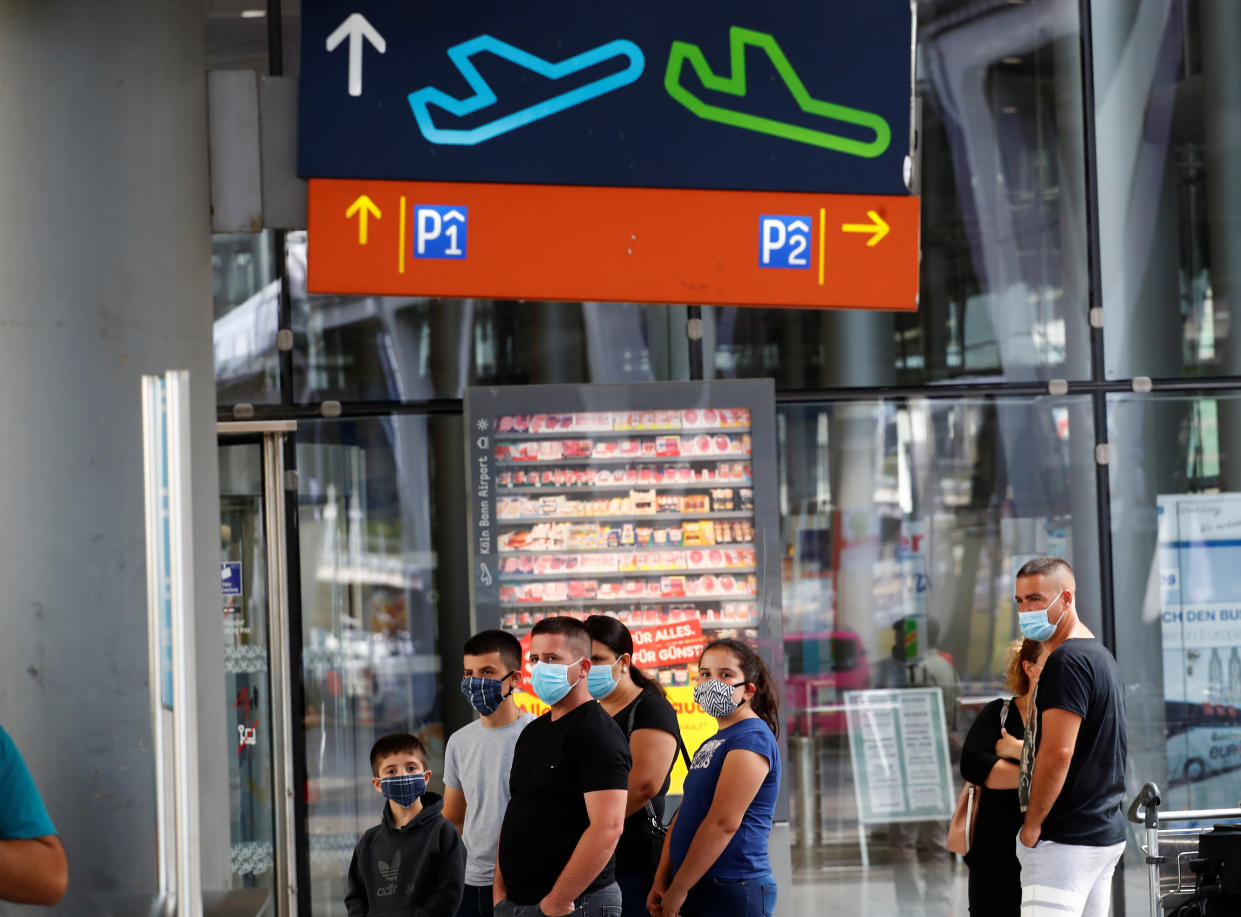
(1148, 798)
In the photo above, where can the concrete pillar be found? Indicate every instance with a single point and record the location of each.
(105, 263)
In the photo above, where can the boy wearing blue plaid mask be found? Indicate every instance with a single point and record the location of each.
(479, 756)
(413, 861)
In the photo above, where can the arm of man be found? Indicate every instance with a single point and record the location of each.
(741, 776)
(449, 877)
(33, 870)
(1051, 766)
(653, 751)
(606, 811)
(454, 807)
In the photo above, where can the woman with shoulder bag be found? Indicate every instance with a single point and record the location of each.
(715, 860)
(989, 761)
(638, 705)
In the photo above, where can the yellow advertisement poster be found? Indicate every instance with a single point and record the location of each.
(696, 725)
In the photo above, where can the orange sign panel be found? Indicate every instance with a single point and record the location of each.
(742, 248)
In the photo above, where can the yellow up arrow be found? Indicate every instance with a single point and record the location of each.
(363, 207)
(876, 226)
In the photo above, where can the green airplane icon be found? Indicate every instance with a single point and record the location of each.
(738, 40)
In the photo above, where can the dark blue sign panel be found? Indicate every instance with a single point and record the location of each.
(800, 95)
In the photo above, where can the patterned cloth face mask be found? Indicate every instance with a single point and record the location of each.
(403, 789)
(484, 694)
(716, 697)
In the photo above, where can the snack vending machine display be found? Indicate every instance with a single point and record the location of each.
(654, 504)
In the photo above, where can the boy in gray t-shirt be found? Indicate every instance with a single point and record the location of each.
(478, 758)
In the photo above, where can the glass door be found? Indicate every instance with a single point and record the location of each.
(254, 624)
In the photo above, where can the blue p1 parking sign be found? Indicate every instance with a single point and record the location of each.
(784, 241)
(440, 231)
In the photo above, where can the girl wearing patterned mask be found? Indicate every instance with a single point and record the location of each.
(715, 857)
(639, 706)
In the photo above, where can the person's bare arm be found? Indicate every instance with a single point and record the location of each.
(1003, 776)
(652, 751)
(454, 807)
(606, 811)
(33, 871)
(741, 776)
(1051, 766)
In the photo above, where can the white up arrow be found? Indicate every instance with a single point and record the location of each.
(355, 28)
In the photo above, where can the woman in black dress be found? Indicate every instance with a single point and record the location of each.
(637, 703)
(989, 760)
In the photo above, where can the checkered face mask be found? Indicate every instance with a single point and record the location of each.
(403, 789)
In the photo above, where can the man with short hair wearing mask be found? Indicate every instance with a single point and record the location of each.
(1073, 758)
(568, 784)
(478, 757)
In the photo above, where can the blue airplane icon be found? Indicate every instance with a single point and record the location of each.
(422, 99)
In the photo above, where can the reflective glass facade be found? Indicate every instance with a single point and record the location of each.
(1074, 157)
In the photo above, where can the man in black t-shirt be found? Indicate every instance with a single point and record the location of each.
(568, 784)
(1073, 755)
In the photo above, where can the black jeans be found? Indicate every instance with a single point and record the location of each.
(476, 902)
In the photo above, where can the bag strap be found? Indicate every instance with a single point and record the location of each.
(650, 809)
(1003, 712)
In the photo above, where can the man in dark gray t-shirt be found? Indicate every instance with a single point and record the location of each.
(1073, 755)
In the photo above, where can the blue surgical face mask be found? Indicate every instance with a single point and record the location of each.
(484, 694)
(1035, 624)
(404, 788)
(550, 681)
(600, 681)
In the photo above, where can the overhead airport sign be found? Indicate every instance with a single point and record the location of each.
(726, 98)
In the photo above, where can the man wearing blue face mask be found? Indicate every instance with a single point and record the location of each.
(569, 784)
(1073, 755)
(479, 756)
(413, 861)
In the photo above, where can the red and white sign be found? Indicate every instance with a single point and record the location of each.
(668, 645)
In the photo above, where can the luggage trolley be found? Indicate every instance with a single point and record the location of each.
(1168, 850)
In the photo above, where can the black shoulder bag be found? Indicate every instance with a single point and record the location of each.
(653, 830)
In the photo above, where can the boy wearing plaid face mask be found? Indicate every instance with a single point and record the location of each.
(413, 861)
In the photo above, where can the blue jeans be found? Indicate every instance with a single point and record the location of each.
(734, 897)
(605, 902)
(476, 902)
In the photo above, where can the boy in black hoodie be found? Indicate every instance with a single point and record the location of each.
(413, 862)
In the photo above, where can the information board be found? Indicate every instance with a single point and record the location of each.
(653, 504)
(801, 95)
(898, 744)
(722, 153)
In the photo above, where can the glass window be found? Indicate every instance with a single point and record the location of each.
(246, 307)
(1168, 87)
(1176, 530)
(372, 661)
(904, 522)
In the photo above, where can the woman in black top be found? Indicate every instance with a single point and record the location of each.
(989, 760)
(639, 706)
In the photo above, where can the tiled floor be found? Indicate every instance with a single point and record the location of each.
(852, 890)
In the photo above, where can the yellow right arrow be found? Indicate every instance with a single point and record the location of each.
(877, 227)
(363, 206)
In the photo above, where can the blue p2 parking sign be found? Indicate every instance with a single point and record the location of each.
(784, 241)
